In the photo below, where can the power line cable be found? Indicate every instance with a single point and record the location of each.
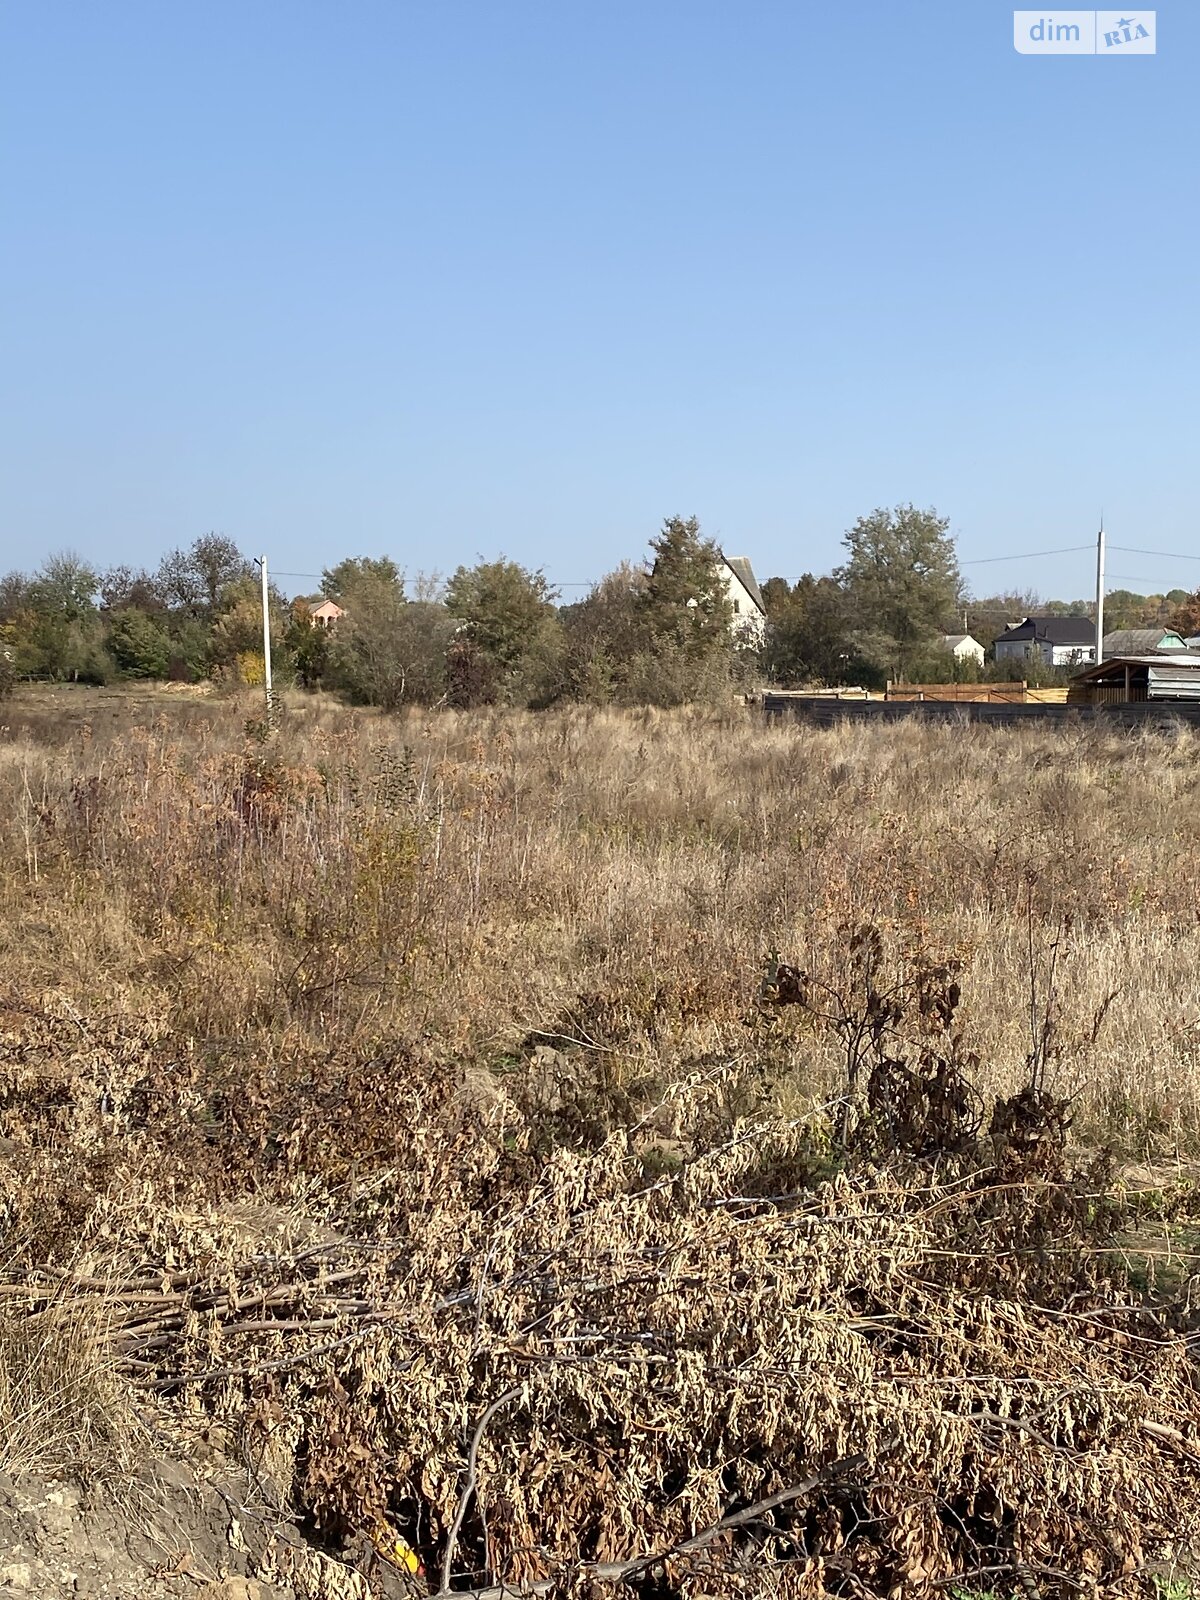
(1166, 555)
(1031, 555)
(579, 583)
(1129, 577)
(973, 561)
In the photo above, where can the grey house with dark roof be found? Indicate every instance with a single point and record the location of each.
(1059, 641)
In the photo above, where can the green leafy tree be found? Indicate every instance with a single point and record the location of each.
(307, 645)
(338, 582)
(14, 595)
(125, 586)
(65, 587)
(191, 648)
(686, 650)
(1185, 619)
(986, 618)
(364, 661)
(387, 650)
(139, 644)
(1032, 669)
(59, 634)
(776, 593)
(236, 636)
(421, 645)
(939, 664)
(401, 665)
(16, 625)
(603, 634)
(194, 580)
(902, 584)
(25, 646)
(685, 603)
(511, 630)
(8, 660)
(1123, 608)
(809, 637)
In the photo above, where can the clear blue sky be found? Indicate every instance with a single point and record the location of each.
(457, 277)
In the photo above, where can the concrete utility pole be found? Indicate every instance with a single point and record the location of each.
(266, 605)
(1100, 594)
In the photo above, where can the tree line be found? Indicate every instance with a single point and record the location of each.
(662, 631)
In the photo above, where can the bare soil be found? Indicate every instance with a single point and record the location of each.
(168, 1532)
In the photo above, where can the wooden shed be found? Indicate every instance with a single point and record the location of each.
(1126, 680)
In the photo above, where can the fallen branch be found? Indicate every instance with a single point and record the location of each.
(618, 1571)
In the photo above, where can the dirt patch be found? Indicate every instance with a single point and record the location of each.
(165, 1532)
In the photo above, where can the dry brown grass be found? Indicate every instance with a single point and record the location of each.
(65, 1408)
(544, 1360)
(459, 882)
(412, 1099)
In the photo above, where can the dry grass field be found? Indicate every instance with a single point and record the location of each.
(459, 883)
(620, 1148)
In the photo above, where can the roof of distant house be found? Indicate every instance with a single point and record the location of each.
(953, 640)
(744, 573)
(1051, 630)
(1141, 641)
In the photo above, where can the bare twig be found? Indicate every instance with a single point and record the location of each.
(253, 1369)
(464, 1499)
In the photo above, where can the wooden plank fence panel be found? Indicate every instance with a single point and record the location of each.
(1008, 692)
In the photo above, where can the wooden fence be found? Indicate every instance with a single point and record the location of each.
(1007, 694)
(976, 694)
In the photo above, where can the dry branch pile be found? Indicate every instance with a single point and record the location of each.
(706, 1375)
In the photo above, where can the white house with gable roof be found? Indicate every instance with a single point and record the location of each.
(749, 613)
(963, 647)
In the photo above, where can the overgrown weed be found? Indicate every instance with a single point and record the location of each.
(468, 879)
(378, 1074)
(65, 1408)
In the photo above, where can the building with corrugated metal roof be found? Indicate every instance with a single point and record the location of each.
(1128, 680)
(1141, 641)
